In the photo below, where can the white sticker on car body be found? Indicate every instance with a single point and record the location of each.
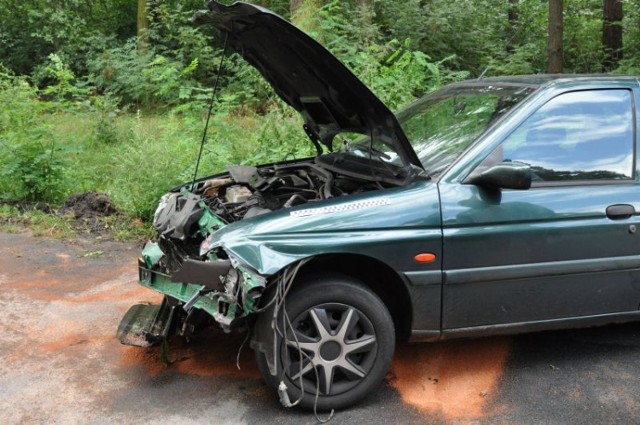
(340, 208)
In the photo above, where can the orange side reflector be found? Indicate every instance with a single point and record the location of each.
(426, 257)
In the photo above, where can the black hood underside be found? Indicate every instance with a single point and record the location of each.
(308, 77)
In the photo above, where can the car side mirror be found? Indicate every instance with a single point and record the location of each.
(506, 175)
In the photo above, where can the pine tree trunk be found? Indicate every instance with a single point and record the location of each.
(512, 30)
(554, 46)
(304, 15)
(365, 9)
(142, 25)
(612, 33)
(294, 5)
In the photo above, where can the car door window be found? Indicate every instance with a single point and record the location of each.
(583, 135)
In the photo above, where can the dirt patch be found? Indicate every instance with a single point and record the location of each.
(89, 205)
(89, 214)
(455, 378)
(89, 210)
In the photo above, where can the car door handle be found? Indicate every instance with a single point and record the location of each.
(620, 211)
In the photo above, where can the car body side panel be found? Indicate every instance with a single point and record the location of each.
(540, 325)
(542, 255)
(391, 226)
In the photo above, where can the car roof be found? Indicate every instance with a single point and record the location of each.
(538, 80)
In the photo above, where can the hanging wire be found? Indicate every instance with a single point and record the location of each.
(213, 96)
(283, 285)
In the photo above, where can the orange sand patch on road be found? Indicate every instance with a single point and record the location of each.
(136, 294)
(215, 356)
(33, 284)
(73, 340)
(147, 357)
(455, 378)
(56, 290)
(64, 257)
(220, 360)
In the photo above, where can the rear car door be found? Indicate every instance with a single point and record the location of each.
(568, 247)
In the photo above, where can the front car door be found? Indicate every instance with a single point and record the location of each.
(566, 249)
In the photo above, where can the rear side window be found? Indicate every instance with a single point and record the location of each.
(584, 135)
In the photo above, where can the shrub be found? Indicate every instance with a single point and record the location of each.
(31, 168)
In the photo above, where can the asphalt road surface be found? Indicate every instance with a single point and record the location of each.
(60, 362)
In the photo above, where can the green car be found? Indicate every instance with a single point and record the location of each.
(492, 206)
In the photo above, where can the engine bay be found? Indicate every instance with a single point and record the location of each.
(185, 218)
(250, 191)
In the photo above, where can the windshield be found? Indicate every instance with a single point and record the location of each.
(441, 125)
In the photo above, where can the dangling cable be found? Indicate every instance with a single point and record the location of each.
(213, 96)
(241, 347)
(284, 283)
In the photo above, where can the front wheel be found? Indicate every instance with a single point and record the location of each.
(339, 342)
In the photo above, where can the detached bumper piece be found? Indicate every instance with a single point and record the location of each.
(203, 273)
(146, 325)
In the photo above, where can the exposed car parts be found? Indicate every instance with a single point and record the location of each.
(183, 264)
(250, 191)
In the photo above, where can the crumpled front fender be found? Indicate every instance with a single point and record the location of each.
(384, 225)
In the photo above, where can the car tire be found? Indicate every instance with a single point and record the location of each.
(346, 334)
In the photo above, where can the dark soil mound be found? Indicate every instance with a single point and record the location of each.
(89, 205)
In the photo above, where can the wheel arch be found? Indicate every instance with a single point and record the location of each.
(375, 275)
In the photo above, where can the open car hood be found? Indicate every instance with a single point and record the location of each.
(307, 76)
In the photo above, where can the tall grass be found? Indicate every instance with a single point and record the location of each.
(132, 129)
(133, 157)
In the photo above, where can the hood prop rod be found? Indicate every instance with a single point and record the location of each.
(213, 97)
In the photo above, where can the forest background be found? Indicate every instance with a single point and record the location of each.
(111, 95)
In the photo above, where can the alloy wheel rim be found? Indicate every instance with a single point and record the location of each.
(335, 340)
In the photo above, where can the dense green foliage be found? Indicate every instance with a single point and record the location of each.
(85, 105)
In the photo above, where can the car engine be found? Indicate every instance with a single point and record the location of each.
(249, 191)
(185, 218)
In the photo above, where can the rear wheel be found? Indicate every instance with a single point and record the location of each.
(339, 343)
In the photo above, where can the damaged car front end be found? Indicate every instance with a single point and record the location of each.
(342, 237)
(189, 263)
(199, 282)
(201, 278)
(230, 246)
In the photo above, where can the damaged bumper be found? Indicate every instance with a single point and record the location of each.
(145, 325)
(223, 288)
